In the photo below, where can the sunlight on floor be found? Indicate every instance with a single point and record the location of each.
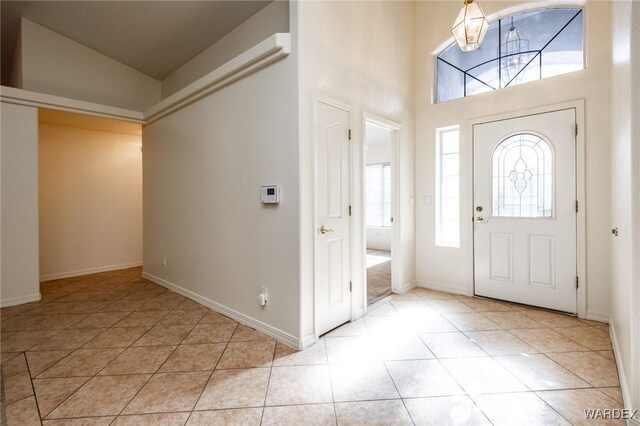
(375, 259)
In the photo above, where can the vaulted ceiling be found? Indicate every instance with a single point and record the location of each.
(154, 37)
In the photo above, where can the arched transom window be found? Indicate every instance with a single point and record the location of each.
(516, 49)
(522, 177)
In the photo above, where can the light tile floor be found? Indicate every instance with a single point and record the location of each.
(113, 348)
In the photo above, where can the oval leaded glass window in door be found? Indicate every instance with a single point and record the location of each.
(522, 177)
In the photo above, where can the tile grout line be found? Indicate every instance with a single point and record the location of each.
(158, 369)
(333, 398)
(210, 375)
(266, 393)
(68, 355)
(95, 375)
(422, 300)
(386, 368)
(33, 388)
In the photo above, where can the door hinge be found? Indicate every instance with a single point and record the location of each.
(350, 287)
(577, 282)
(576, 129)
(576, 205)
(391, 219)
(349, 210)
(349, 134)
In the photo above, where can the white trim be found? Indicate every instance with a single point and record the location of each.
(277, 334)
(381, 121)
(35, 297)
(259, 56)
(307, 341)
(581, 223)
(627, 401)
(447, 288)
(406, 287)
(88, 271)
(12, 95)
(597, 316)
(394, 129)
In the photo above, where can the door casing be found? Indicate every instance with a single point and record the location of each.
(396, 253)
(468, 216)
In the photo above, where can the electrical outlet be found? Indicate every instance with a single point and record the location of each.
(264, 296)
(164, 261)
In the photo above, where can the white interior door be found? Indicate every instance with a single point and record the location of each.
(525, 210)
(333, 241)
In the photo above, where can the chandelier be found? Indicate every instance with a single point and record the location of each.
(470, 26)
(513, 55)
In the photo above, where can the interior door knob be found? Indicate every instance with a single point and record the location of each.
(324, 230)
(480, 219)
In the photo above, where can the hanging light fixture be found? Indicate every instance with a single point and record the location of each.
(470, 26)
(513, 56)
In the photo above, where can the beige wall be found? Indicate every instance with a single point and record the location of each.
(203, 168)
(625, 202)
(360, 54)
(621, 255)
(452, 268)
(90, 195)
(19, 281)
(274, 18)
(56, 65)
(634, 374)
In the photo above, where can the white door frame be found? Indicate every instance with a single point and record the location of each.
(581, 251)
(320, 98)
(396, 254)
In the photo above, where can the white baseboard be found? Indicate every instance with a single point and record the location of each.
(444, 287)
(307, 341)
(406, 288)
(626, 391)
(88, 271)
(597, 316)
(357, 314)
(35, 297)
(277, 334)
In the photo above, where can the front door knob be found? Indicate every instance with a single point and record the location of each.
(324, 230)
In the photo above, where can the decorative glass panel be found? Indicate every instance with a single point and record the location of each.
(522, 174)
(516, 49)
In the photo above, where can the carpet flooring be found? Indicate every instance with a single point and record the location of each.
(378, 275)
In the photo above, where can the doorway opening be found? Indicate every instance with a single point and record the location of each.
(90, 195)
(379, 193)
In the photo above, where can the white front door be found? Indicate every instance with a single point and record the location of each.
(333, 241)
(525, 210)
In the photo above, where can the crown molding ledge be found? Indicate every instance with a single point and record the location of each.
(16, 96)
(259, 56)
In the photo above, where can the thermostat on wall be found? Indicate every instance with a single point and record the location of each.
(270, 194)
